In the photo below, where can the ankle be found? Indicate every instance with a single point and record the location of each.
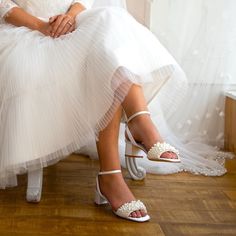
(137, 126)
(144, 131)
(108, 179)
(140, 119)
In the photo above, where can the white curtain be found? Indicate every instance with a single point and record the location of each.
(202, 36)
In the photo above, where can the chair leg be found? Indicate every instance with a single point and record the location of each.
(34, 188)
(136, 172)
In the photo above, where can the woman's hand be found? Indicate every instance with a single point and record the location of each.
(61, 24)
(65, 23)
(57, 26)
(45, 28)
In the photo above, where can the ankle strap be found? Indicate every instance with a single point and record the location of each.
(109, 172)
(137, 114)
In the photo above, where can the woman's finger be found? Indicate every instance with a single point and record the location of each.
(57, 24)
(52, 19)
(72, 28)
(64, 24)
(66, 29)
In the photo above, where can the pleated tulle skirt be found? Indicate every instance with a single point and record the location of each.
(57, 94)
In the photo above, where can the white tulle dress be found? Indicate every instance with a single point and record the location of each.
(57, 94)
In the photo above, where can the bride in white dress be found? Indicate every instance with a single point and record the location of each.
(68, 73)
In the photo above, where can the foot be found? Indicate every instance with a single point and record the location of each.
(145, 132)
(114, 188)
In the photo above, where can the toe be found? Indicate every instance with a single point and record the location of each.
(133, 214)
(169, 155)
(143, 213)
(138, 213)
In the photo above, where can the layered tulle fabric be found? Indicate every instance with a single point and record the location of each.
(57, 94)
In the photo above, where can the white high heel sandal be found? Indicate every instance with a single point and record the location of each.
(126, 209)
(137, 150)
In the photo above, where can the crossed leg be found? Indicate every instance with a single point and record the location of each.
(113, 186)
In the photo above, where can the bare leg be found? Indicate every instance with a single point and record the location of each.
(113, 186)
(142, 127)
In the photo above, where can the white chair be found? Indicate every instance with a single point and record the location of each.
(34, 186)
(141, 11)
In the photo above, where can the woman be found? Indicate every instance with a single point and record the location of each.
(67, 73)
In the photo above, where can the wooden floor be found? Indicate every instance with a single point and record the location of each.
(180, 204)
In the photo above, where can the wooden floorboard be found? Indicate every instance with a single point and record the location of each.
(180, 204)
